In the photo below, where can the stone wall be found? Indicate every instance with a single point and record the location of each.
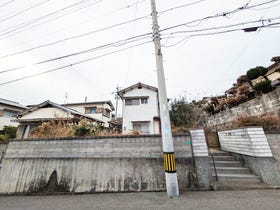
(91, 165)
(266, 103)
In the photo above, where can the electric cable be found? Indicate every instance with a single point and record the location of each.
(73, 64)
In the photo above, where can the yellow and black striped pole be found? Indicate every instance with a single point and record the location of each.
(169, 162)
(167, 142)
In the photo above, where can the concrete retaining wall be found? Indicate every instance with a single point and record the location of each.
(274, 143)
(91, 165)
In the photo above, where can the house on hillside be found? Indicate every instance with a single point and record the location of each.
(101, 110)
(140, 109)
(273, 73)
(47, 111)
(8, 112)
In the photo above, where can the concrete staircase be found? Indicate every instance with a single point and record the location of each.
(230, 170)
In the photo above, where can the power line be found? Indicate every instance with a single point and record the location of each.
(30, 22)
(73, 37)
(47, 21)
(115, 44)
(23, 11)
(109, 12)
(140, 18)
(272, 25)
(9, 2)
(228, 26)
(73, 64)
(223, 14)
(181, 6)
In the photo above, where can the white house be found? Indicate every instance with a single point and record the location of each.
(8, 112)
(101, 110)
(140, 109)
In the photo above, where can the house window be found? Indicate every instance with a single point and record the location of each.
(92, 110)
(131, 102)
(106, 112)
(144, 100)
(142, 127)
(9, 114)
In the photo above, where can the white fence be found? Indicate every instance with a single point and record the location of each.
(247, 141)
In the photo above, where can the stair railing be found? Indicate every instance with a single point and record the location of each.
(214, 165)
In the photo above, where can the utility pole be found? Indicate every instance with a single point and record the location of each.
(117, 100)
(167, 142)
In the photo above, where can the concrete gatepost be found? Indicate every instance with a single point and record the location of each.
(201, 158)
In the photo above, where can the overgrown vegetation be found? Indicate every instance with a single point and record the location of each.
(185, 115)
(8, 132)
(181, 113)
(86, 128)
(64, 128)
(270, 122)
(254, 73)
(263, 86)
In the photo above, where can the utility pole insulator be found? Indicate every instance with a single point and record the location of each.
(167, 142)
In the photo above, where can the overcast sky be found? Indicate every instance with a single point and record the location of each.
(194, 67)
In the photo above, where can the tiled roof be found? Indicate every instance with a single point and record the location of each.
(11, 103)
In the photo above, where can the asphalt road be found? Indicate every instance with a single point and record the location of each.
(251, 199)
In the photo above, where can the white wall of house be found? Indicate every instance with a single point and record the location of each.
(7, 121)
(8, 115)
(140, 113)
(82, 108)
(50, 112)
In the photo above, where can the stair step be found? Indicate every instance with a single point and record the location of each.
(238, 177)
(219, 153)
(232, 170)
(224, 158)
(219, 163)
(217, 186)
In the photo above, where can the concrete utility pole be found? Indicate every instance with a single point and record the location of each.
(167, 142)
(117, 99)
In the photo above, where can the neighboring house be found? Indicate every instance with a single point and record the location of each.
(140, 109)
(273, 73)
(44, 112)
(8, 112)
(258, 80)
(101, 110)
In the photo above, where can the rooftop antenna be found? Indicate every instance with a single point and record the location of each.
(66, 97)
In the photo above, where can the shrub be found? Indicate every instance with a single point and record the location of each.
(241, 80)
(181, 113)
(4, 138)
(263, 86)
(256, 72)
(86, 128)
(209, 109)
(10, 131)
(242, 98)
(232, 101)
(180, 130)
(53, 129)
(269, 122)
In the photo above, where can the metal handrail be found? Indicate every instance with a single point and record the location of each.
(216, 175)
